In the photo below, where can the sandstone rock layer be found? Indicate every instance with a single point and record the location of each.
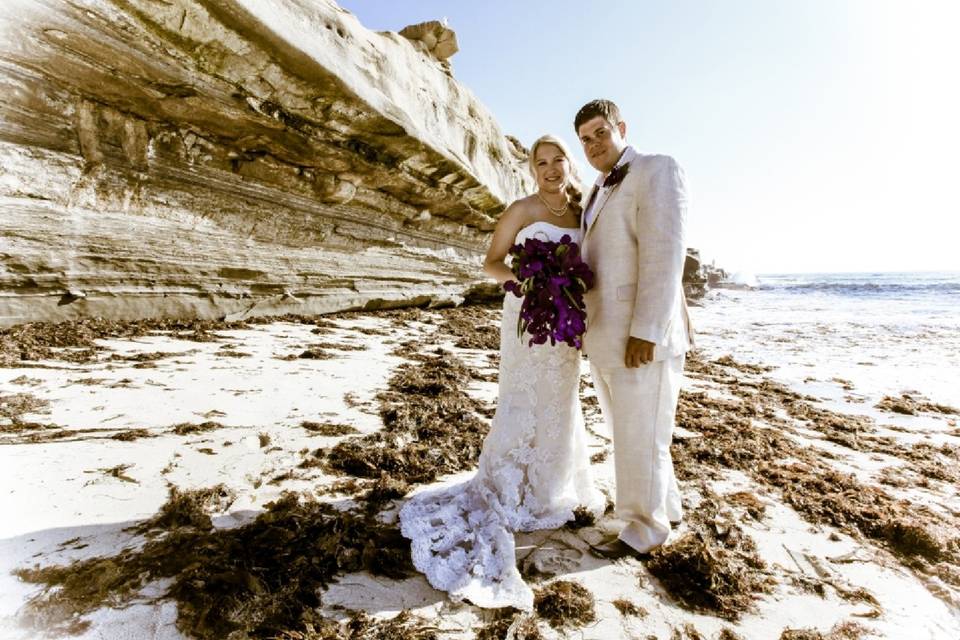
(228, 157)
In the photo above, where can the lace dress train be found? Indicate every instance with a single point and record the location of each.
(532, 473)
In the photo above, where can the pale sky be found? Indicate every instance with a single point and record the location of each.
(816, 135)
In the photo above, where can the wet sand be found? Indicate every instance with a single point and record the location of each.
(170, 480)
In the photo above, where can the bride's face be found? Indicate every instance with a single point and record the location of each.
(552, 168)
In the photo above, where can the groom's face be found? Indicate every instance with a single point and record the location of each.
(603, 142)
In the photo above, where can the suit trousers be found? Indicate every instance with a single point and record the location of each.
(640, 405)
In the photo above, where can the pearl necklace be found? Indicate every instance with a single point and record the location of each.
(557, 212)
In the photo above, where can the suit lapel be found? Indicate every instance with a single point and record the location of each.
(585, 207)
(603, 198)
(598, 207)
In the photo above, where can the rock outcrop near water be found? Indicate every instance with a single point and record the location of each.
(201, 158)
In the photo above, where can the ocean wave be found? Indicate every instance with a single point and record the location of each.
(864, 288)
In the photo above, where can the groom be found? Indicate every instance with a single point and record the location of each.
(638, 330)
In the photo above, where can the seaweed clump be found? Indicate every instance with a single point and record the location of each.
(471, 328)
(714, 567)
(509, 621)
(841, 631)
(14, 406)
(261, 580)
(431, 425)
(906, 404)
(564, 604)
(360, 626)
(628, 608)
(328, 429)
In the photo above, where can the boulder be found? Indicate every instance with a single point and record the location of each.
(433, 37)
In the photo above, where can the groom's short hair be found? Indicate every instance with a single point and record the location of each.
(604, 108)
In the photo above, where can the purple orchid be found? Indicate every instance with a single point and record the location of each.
(551, 279)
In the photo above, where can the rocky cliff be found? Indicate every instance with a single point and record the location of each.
(229, 157)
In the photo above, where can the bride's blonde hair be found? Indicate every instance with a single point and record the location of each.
(574, 190)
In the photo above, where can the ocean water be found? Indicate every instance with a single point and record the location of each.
(886, 333)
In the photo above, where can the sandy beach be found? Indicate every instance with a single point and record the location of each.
(171, 480)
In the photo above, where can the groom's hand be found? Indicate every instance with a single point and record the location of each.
(638, 352)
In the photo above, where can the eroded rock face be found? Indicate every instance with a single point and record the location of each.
(201, 158)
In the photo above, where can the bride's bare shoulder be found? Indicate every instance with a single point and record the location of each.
(521, 209)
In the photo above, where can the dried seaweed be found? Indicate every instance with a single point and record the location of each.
(431, 426)
(338, 346)
(906, 404)
(472, 327)
(686, 632)
(316, 354)
(75, 340)
(14, 406)
(628, 608)
(841, 631)
(328, 429)
(509, 621)
(751, 503)
(261, 579)
(564, 604)
(131, 434)
(817, 491)
(118, 472)
(187, 428)
(713, 567)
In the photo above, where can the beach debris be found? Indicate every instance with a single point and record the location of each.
(328, 429)
(231, 353)
(628, 608)
(847, 630)
(431, 425)
(145, 356)
(686, 632)
(728, 361)
(118, 472)
(733, 438)
(714, 567)
(261, 580)
(316, 354)
(755, 507)
(338, 346)
(908, 405)
(14, 406)
(130, 435)
(187, 428)
(510, 623)
(473, 327)
(564, 603)
(188, 509)
(75, 340)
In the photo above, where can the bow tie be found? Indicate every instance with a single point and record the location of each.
(616, 175)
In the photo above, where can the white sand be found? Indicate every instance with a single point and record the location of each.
(61, 506)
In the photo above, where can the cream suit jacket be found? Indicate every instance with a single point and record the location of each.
(636, 245)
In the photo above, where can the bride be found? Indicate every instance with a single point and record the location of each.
(533, 470)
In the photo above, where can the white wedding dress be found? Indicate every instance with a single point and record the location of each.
(533, 471)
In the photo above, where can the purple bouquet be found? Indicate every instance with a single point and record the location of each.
(552, 280)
